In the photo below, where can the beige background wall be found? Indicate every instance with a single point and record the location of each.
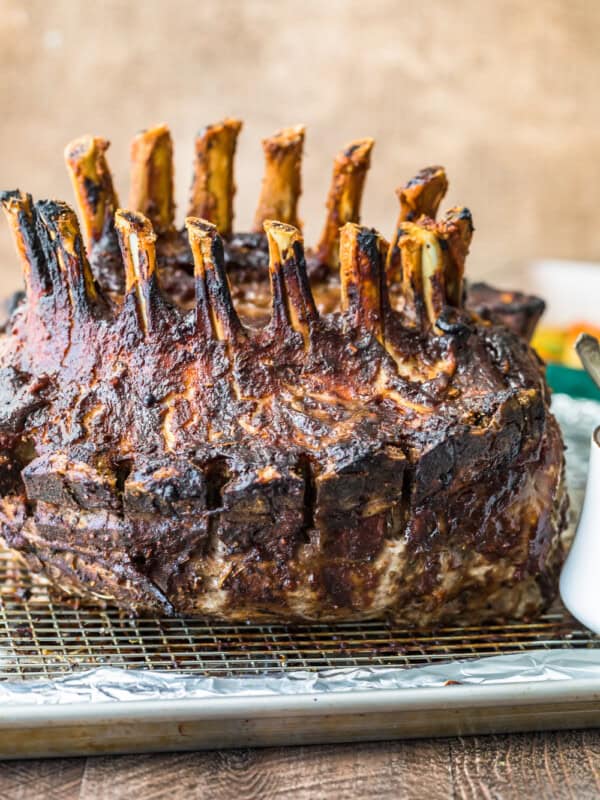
(504, 93)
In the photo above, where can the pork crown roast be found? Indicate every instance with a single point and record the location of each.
(206, 422)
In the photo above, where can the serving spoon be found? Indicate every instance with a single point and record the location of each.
(588, 350)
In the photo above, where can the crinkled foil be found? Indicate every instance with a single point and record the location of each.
(108, 684)
(578, 418)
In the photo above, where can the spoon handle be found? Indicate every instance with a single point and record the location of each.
(588, 350)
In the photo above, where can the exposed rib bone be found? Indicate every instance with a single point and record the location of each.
(18, 208)
(215, 313)
(423, 274)
(293, 302)
(281, 186)
(60, 238)
(421, 196)
(456, 228)
(363, 286)
(137, 242)
(152, 177)
(343, 202)
(213, 186)
(93, 186)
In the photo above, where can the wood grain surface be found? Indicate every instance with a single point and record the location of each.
(540, 766)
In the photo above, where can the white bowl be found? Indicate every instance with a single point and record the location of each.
(570, 289)
(580, 578)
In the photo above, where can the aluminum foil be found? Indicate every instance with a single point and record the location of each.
(578, 418)
(109, 684)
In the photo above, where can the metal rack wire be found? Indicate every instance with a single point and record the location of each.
(43, 638)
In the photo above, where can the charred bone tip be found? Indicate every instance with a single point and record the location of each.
(281, 186)
(421, 196)
(93, 186)
(11, 198)
(456, 229)
(362, 277)
(61, 242)
(281, 238)
(293, 302)
(350, 169)
(215, 313)
(136, 237)
(137, 240)
(461, 217)
(19, 212)
(424, 271)
(152, 191)
(213, 185)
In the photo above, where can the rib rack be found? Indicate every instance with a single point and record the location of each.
(223, 424)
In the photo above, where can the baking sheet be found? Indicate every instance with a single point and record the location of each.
(556, 685)
(119, 685)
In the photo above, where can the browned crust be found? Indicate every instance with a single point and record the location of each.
(395, 456)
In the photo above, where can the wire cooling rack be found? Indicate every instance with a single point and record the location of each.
(41, 637)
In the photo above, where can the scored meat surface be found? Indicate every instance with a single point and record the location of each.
(220, 424)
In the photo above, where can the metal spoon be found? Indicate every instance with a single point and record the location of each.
(588, 350)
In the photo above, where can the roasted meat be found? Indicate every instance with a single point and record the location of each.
(518, 311)
(205, 422)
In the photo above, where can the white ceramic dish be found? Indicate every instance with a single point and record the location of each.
(580, 579)
(570, 289)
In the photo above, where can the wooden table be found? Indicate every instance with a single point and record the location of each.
(536, 766)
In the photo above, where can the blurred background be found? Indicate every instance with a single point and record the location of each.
(503, 93)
